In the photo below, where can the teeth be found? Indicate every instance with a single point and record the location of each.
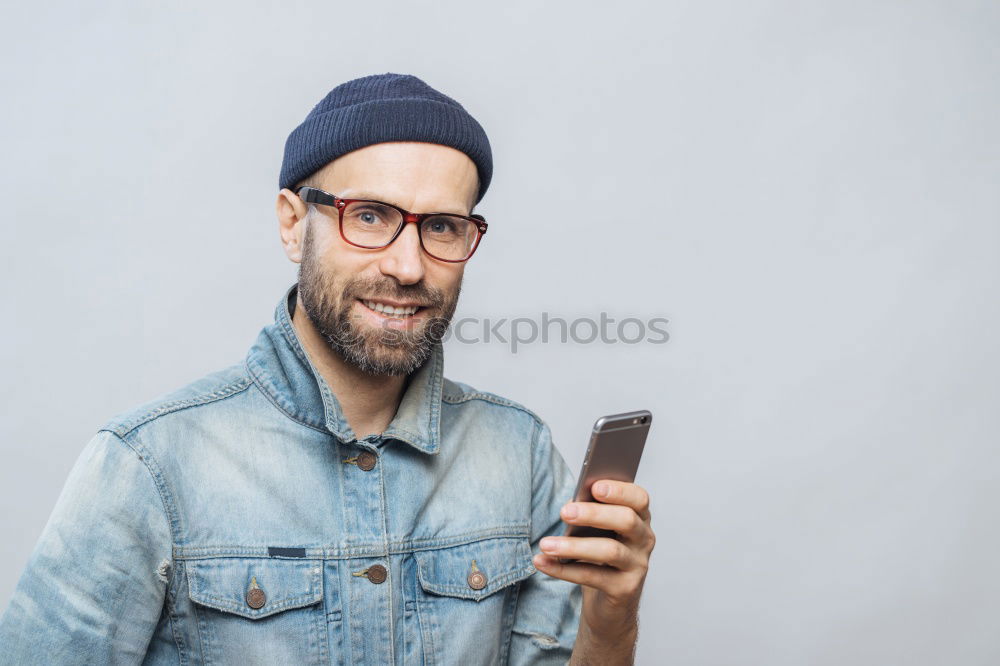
(390, 310)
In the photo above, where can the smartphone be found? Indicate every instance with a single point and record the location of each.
(616, 445)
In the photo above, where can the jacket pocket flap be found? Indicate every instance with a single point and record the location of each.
(223, 583)
(474, 570)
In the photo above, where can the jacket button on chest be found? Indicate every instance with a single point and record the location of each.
(477, 580)
(376, 573)
(366, 461)
(255, 596)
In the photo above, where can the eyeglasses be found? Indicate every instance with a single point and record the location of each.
(375, 224)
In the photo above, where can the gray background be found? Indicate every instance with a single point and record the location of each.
(815, 190)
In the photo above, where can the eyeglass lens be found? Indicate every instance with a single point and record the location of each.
(373, 225)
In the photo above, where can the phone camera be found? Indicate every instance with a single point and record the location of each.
(642, 419)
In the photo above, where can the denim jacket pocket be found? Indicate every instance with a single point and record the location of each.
(452, 572)
(257, 609)
(466, 597)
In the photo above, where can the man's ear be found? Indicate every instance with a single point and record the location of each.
(293, 216)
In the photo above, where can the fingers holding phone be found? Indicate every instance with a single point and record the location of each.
(619, 515)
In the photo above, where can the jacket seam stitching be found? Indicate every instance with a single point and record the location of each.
(169, 513)
(534, 442)
(123, 430)
(395, 547)
(508, 623)
(534, 447)
(175, 633)
(166, 501)
(491, 398)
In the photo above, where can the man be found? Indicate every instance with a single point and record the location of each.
(334, 498)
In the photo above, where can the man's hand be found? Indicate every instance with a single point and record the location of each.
(613, 570)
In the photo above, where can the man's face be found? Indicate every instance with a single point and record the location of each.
(345, 290)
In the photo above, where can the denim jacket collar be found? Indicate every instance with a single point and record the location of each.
(279, 365)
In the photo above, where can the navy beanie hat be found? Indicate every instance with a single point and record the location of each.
(378, 108)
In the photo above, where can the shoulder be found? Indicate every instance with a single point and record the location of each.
(495, 414)
(460, 394)
(211, 388)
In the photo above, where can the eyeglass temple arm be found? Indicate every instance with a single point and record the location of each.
(312, 195)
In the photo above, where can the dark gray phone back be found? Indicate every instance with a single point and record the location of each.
(614, 452)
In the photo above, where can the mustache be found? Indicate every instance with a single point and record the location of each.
(420, 293)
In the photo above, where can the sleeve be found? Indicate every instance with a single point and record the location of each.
(548, 609)
(93, 587)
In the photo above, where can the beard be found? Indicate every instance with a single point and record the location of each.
(371, 350)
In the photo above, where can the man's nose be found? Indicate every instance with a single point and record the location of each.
(404, 258)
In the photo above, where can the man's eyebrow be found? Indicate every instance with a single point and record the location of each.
(364, 194)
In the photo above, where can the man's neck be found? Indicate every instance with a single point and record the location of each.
(369, 402)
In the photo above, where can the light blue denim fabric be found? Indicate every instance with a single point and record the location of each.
(175, 509)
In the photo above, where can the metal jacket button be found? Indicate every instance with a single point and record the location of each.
(255, 595)
(366, 460)
(376, 573)
(477, 579)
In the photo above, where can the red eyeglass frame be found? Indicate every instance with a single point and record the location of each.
(317, 196)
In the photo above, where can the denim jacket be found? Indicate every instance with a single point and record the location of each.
(239, 520)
